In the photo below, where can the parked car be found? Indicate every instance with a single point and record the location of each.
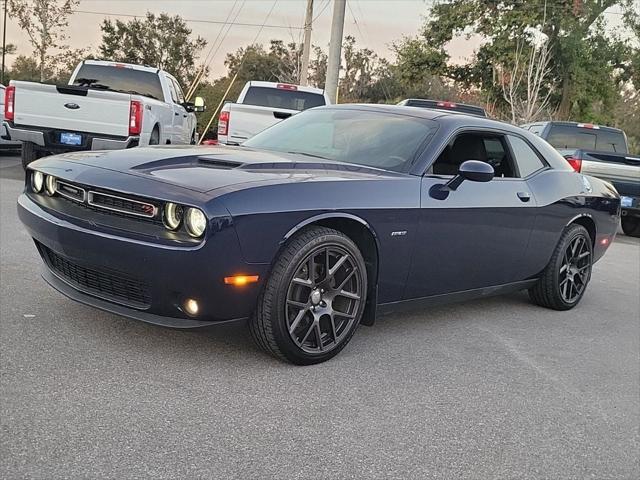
(262, 104)
(105, 106)
(602, 152)
(319, 223)
(5, 144)
(443, 105)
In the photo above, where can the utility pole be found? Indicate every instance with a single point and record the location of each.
(335, 49)
(306, 47)
(4, 41)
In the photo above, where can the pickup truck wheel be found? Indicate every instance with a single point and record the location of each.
(631, 225)
(314, 297)
(567, 275)
(155, 136)
(193, 138)
(29, 154)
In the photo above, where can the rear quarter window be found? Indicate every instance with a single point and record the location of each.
(281, 98)
(119, 79)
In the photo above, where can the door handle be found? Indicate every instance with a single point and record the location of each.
(176, 113)
(524, 196)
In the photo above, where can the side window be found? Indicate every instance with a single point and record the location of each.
(172, 90)
(526, 158)
(178, 91)
(486, 147)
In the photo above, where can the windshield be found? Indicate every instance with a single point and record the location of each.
(119, 79)
(375, 139)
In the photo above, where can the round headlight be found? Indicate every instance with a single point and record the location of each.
(195, 221)
(172, 215)
(37, 181)
(50, 184)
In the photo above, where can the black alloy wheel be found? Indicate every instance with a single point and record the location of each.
(576, 269)
(313, 299)
(565, 279)
(631, 225)
(323, 299)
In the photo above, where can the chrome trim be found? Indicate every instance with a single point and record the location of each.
(84, 192)
(121, 210)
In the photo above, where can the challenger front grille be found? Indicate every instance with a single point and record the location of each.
(107, 284)
(122, 204)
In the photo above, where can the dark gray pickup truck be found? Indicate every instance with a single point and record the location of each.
(601, 152)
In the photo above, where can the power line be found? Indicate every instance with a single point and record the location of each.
(192, 20)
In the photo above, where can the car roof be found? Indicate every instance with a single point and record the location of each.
(574, 124)
(280, 85)
(453, 119)
(105, 63)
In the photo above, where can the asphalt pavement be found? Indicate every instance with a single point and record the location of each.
(496, 388)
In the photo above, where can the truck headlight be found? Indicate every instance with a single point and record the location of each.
(195, 221)
(37, 181)
(172, 215)
(50, 185)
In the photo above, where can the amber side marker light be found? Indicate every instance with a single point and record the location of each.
(240, 280)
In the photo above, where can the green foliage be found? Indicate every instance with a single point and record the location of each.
(44, 22)
(159, 40)
(587, 63)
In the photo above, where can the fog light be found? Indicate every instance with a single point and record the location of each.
(191, 306)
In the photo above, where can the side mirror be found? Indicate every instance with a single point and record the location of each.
(472, 170)
(199, 105)
(476, 171)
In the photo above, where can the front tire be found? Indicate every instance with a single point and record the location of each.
(565, 278)
(631, 225)
(313, 299)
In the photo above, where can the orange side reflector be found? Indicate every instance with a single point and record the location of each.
(240, 280)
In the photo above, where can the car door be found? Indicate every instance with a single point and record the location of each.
(180, 115)
(477, 236)
(188, 118)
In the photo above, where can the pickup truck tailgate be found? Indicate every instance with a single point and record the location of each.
(247, 120)
(93, 111)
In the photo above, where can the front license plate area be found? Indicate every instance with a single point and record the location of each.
(626, 201)
(70, 139)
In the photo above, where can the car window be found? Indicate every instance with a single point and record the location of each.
(119, 79)
(282, 98)
(179, 93)
(486, 147)
(610, 141)
(526, 158)
(172, 90)
(375, 139)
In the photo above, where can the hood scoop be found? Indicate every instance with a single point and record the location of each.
(217, 162)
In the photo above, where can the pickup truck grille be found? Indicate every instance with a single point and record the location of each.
(109, 285)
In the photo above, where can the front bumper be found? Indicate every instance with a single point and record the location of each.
(96, 265)
(48, 139)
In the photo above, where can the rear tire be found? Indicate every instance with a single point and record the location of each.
(313, 299)
(154, 139)
(567, 275)
(29, 154)
(631, 225)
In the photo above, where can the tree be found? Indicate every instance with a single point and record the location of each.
(44, 22)
(9, 49)
(162, 41)
(525, 82)
(584, 57)
(26, 68)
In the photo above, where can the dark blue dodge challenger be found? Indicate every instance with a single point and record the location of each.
(319, 223)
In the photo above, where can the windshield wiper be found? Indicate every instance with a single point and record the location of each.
(309, 155)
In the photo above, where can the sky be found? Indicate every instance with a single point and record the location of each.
(375, 24)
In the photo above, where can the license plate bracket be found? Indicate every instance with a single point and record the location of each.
(67, 138)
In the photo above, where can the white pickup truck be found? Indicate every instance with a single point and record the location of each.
(105, 106)
(262, 104)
